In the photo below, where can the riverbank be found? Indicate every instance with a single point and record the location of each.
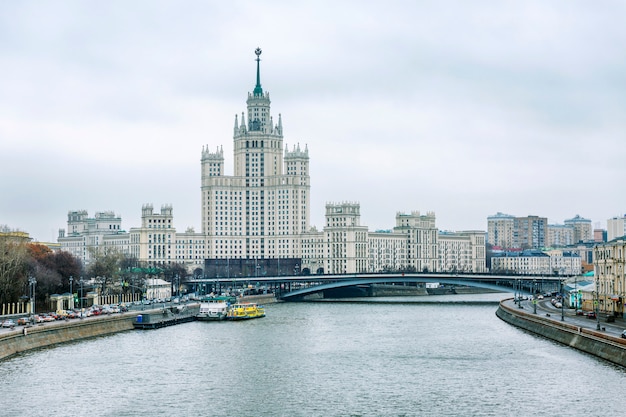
(576, 334)
(27, 338)
(22, 339)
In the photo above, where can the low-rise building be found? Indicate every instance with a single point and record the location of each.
(609, 261)
(527, 262)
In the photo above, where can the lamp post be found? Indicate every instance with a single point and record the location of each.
(562, 303)
(597, 303)
(71, 294)
(31, 283)
(534, 296)
(81, 295)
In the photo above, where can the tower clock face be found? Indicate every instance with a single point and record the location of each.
(258, 51)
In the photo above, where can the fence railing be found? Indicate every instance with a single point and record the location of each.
(15, 308)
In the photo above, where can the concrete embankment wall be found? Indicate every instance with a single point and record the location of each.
(259, 299)
(597, 343)
(47, 334)
(382, 290)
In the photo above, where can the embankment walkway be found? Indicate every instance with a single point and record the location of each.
(579, 333)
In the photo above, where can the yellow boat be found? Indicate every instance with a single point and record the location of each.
(245, 311)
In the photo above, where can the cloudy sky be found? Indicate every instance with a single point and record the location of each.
(461, 108)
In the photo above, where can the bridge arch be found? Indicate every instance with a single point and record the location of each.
(524, 286)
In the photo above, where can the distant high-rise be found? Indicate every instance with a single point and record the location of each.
(583, 232)
(615, 227)
(530, 232)
(500, 230)
(559, 235)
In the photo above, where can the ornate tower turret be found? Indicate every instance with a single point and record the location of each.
(258, 148)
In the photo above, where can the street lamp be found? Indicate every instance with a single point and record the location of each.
(31, 283)
(562, 302)
(597, 302)
(71, 293)
(534, 296)
(81, 294)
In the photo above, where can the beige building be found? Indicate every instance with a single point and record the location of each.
(583, 231)
(387, 251)
(536, 262)
(610, 271)
(528, 262)
(262, 210)
(462, 251)
(155, 240)
(501, 230)
(86, 233)
(565, 262)
(559, 235)
(421, 233)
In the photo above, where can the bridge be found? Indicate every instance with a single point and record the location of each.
(297, 287)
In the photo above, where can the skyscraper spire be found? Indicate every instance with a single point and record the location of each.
(258, 91)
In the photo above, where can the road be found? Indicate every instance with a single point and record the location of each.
(545, 307)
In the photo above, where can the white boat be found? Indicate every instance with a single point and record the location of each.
(213, 309)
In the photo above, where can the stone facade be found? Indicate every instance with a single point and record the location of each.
(609, 261)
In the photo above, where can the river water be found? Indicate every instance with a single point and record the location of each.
(397, 357)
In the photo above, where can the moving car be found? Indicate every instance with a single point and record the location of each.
(624, 334)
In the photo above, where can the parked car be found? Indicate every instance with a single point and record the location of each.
(9, 323)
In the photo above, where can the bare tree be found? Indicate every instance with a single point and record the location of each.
(105, 266)
(13, 279)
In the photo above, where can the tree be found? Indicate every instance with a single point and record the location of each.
(104, 266)
(13, 279)
(175, 274)
(67, 265)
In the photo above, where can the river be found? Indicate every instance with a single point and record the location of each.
(396, 357)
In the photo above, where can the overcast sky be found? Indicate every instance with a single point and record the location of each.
(462, 108)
